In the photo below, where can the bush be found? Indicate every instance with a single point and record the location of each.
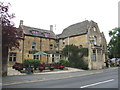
(64, 62)
(112, 64)
(51, 68)
(32, 62)
(77, 62)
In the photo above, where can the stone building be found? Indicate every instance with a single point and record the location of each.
(32, 41)
(84, 34)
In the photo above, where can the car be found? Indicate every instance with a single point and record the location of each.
(113, 60)
(118, 62)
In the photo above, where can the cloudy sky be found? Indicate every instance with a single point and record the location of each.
(62, 13)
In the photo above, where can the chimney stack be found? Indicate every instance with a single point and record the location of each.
(21, 22)
(51, 27)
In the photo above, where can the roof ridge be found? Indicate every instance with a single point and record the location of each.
(35, 28)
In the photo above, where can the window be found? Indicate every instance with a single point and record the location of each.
(81, 46)
(95, 40)
(52, 57)
(47, 35)
(33, 45)
(60, 56)
(34, 32)
(12, 57)
(94, 28)
(36, 57)
(94, 55)
(63, 42)
(51, 46)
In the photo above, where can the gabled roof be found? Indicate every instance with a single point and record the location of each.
(40, 32)
(75, 29)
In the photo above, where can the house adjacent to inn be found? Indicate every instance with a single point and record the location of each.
(84, 34)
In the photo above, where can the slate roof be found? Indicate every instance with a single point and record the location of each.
(28, 31)
(75, 29)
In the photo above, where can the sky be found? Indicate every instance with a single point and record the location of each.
(63, 13)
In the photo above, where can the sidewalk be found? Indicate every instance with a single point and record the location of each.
(43, 76)
(12, 72)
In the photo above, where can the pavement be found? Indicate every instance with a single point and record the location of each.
(52, 75)
(12, 72)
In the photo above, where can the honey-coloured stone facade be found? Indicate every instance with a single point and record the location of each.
(85, 34)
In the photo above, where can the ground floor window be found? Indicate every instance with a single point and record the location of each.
(94, 55)
(36, 57)
(60, 56)
(12, 56)
(52, 57)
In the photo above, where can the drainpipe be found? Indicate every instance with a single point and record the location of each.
(23, 51)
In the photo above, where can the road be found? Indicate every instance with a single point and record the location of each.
(97, 80)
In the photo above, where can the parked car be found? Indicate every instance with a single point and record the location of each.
(118, 62)
(113, 60)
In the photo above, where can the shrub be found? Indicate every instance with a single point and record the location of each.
(64, 62)
(112, 64)
(77, 62)
(51, 68)
(32, 62)
(41, 68)
(61, 67)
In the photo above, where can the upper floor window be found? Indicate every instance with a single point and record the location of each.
(94, 29)
(95, 40)
(33, 45)
(51, 46)
(63, 42)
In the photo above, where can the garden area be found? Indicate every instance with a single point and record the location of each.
(34, 66)
(75, 59)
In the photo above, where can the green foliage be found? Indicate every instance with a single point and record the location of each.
(78, 62)
(75, 56)
(64, 62)
(84, 51)
(32, 62)
(113, 46)
(112, 64)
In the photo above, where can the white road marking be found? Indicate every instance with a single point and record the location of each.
(97, 83)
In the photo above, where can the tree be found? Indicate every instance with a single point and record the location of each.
(9, 34)
(114, 44)
(75, 56)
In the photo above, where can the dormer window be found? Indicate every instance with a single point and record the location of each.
(47, 35)
(34, 32)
